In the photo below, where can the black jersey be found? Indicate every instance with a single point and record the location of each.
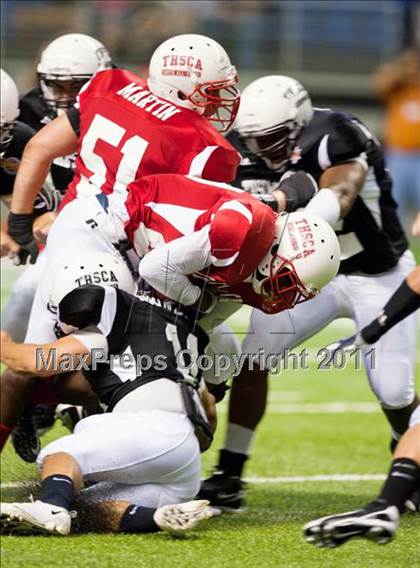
(147, 340)
(34, 113)
(371, 237)
(10, 158)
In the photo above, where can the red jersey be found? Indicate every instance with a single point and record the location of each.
(126, 132)
(226, 231)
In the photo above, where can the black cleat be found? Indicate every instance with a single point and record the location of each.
(378, 522)
(44, 417)
(25, 437)
(224, 492)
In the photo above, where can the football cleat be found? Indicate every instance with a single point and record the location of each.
(224, 492)
(44, 417)
(69, 415)
(378, 522)
(36, 517)
(182, 517)
(25, 437)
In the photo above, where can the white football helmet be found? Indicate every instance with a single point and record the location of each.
(91, 268)
(304, 257)
(273, 112)
(195, 72)
(9, 109)
(71, 58)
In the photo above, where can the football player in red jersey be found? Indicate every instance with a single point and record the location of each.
(123, 127)
(184, 227)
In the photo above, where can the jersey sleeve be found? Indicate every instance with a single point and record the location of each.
(346, 141)
(213, 162)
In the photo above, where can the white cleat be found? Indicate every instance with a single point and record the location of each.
(182, 517)
(37, 516)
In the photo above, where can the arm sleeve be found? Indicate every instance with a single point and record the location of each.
(166, 268)
(74, 118)
(346, 141)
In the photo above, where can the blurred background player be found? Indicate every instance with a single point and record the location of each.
(379, 520)
(397, 83)
(279, 129)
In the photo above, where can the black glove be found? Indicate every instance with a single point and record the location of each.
(47, 199)
(218, 391)
(268, 199)
(19, 227)
(298, 187)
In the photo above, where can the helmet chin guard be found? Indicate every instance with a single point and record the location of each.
(282, 289)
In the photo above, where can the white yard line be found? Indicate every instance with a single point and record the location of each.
(337, 407)
(339, 477)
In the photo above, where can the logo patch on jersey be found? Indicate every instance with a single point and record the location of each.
(295, 155)
(190, 63)
(10, 165)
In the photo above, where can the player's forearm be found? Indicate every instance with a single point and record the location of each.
(339, 187)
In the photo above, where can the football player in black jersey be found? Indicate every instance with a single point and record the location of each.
(14, 137)
(140, 359)
(378, 521)
(66, 64)
(278, 129)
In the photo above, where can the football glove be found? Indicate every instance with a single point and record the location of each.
(298, 187)
(48, 199)
(347, 344)
(19, 227)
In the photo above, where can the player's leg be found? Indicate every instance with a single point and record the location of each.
(273, 335)
(377, 521)
(390, 361)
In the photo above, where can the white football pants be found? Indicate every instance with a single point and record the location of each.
(361, 298)
(149, 458)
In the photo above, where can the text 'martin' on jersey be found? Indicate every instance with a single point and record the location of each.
(125, 132)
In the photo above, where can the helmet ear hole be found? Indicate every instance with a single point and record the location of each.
(274, 249)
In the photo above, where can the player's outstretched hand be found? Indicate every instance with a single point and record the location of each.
(8, 247)
(347, 344)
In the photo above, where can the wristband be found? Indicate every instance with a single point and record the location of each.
(19, 227)
(326, 205)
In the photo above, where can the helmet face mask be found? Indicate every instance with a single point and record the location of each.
(6, 135)
(282, 289)
(274, 145)
(59, 93)
(219, 101)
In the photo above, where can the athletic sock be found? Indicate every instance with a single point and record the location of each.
(138, 520)
(402, 303)
(57, 490)
(403, 479)
(5, 432)
(239, 438)
(231, 463)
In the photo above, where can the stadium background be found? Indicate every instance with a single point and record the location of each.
(319, 423)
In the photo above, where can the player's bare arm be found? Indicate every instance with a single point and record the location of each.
(42, 360)
(346, 181)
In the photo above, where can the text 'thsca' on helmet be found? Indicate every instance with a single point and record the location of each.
(273, 112)
(9, 109)
(65, 65)
(102, 269)
(303, 258)
(195, 72)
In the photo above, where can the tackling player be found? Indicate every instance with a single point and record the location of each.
(378, 521)
(123, 128)
(144, 452)
(280, 129)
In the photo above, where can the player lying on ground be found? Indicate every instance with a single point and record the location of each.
(121, 128)
(144, 452)
(378, 521)
(279, 129)
(188, 229)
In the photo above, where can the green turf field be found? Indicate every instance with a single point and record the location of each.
(319, 423)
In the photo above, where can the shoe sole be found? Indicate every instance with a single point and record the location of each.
(18, 523)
